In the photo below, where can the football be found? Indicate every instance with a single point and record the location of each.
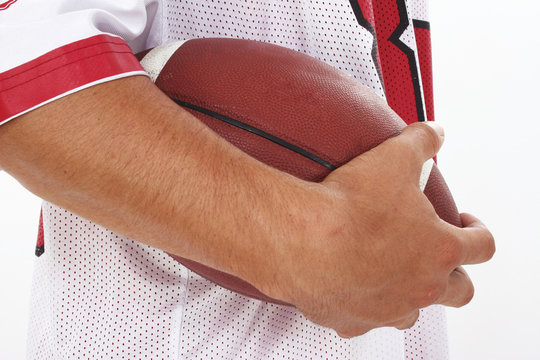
(284, 108)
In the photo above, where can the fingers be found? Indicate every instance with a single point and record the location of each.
(476, 245)
(460, 289)
(404, 323)
(407, 322)
(468, 220)
(476, 240)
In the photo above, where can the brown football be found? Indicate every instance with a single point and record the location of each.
(282, 107)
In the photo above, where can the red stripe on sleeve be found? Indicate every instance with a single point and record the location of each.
(63, 70)
(5, 5)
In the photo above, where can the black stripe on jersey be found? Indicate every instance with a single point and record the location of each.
(362, 21)
(39, 250)
(258, 132)
(421, 24)
(394, 38)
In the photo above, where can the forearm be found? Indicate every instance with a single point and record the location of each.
(138, 164)
(125, 156)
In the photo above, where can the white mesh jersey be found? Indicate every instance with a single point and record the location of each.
(97, 294)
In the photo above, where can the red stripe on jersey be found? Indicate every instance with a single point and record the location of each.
(40, 244)
(62, 70)
(367, 10)
(5, 5)
(423, 44)
(398, 64)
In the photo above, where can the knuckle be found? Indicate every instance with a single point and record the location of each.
(427, 135)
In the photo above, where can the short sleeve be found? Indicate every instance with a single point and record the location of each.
(53, 48)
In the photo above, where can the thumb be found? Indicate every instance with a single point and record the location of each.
(420, 141)
(407, 152)
(403, 154)
(417, 143)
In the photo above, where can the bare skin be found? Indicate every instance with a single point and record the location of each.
(123, 155)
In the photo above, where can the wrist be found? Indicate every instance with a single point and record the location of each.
(293, 235)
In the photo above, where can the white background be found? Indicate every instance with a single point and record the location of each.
(486, 61)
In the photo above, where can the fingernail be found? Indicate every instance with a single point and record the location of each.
(438, 128)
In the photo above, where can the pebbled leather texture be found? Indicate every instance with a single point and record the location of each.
(294, 97)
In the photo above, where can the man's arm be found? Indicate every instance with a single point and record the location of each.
(123, 155)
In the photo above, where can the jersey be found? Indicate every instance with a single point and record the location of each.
(98, 294)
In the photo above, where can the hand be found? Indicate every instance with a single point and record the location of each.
(378, 252)
(361, 250)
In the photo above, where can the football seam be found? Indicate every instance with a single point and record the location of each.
(258, 132)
